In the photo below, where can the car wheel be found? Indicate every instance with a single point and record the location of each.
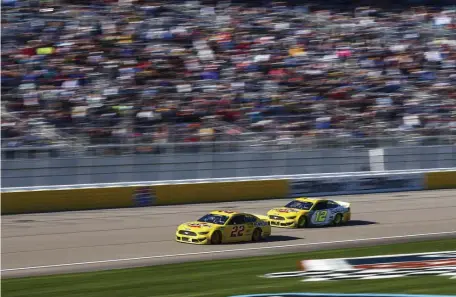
(256, 236)
(302, 222)
(337, 220)
(216, 237)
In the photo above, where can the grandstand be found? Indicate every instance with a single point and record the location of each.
(159, 73)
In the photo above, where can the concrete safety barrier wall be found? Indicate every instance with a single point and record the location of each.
(221, 192)
(103, 196)
(346, 185)
(389, 181)
(440, 180)
(65, 200)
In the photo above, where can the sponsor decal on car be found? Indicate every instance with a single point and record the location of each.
(198, 225)
(260, 224)
(285, 210)
(377, 267)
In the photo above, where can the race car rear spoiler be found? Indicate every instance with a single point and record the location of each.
(344, 204)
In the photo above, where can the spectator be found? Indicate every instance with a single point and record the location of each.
(112, 73)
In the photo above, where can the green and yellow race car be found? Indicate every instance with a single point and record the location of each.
(306, 212)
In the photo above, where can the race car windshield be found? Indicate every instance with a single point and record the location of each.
(214, 219)
(300, 205)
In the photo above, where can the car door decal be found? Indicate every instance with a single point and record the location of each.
(321, 216)
(237, 231)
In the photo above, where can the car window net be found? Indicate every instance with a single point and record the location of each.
(300, 205)
(214, 219)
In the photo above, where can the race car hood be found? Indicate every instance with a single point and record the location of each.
(196, 226)
(285, 212)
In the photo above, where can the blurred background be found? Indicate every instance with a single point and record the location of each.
(176, 82)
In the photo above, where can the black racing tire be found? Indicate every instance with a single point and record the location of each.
(338, 220)
(216, 237)
(256, 235)
(302, 222)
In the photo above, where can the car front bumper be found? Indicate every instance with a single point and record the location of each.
(198, 239)
(283, 224)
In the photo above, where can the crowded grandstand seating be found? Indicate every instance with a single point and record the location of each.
(165, 73)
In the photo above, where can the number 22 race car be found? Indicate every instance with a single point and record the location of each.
(305, 212)
(224, 227)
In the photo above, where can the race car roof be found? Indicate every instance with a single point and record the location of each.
(305, 199)
(224, 212)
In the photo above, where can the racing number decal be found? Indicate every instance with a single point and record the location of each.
(320, 216)
(237, 231)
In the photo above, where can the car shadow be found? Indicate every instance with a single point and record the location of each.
(279, 238)
(359, 223)
(350, 223)
(271, 238)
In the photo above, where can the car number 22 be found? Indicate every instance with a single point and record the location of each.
(237, 231)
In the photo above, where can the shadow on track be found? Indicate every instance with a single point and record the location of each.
(279, 238)
(359, 223)
(349, 224)
(272, 238)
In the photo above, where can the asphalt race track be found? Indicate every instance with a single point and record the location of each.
(37, 244)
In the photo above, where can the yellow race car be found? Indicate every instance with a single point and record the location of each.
(306, 212)
(224, 227)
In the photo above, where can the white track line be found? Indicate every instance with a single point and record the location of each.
(222, 251)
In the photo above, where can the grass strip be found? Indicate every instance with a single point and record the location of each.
(222, 278)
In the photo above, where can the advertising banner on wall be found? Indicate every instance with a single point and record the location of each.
(144, 196)
(355, 185)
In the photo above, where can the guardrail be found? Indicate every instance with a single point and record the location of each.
(101, 196)
(228, 179)
(256, 145)
(202, 164)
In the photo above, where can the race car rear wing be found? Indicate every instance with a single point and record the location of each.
(344, 204)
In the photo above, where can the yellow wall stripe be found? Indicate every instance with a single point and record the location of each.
(221, 192)
(102, 198)
(66, 200)
(440, 180)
